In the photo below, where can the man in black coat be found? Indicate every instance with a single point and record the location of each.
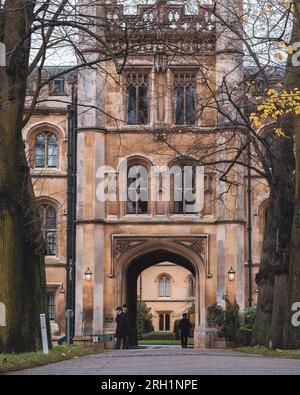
(184, 326)
(119, 329)
(126, 326)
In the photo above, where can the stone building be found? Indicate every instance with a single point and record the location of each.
(122, 126)
(169, 290)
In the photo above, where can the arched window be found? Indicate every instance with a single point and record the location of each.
(137, 190)
(164, 286)
(185, 99)
(137, 91)
(46, 150)
(191, 287)
(49, 227)
(184, 188)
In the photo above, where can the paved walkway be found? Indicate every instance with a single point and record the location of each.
(170, 361)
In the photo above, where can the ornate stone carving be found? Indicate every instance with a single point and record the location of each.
(123, 244)
(198, 247)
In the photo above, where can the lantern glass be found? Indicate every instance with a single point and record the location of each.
(88, 275)
(231, 274)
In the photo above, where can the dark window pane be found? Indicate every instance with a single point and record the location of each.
(51, 218)
(51, 242)
(132, 111)
(59, 85)
(190, 105)
(161, 322)
(179, 106)
(143, 105)
(40, 151)
(51, 306)
(167, 322)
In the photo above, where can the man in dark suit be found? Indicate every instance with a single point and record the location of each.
(118, 333)
(184, 326)
(126, 326)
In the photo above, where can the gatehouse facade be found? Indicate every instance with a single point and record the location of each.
(154, 114)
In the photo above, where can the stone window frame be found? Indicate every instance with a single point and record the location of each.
(182, 162)
(184, 71)
(139, 161)
(46, 130)
(145, 72)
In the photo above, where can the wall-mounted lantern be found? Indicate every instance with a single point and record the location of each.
(88, 275)
(231, 274)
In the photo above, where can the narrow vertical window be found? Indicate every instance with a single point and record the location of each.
(184, 99)
(52, 151)
(161, 322)
(191, 289)
(49, 228)
(137, 92)
(184, 189)
(137, 190)
(167, 322)
(164, 286)
(40, 151)
(51, 306)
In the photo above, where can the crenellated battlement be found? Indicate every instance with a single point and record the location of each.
(163, 19)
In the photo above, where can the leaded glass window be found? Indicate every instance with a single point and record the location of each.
(137, 93)
(184, 99)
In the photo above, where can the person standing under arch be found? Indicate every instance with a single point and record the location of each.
(184, 326)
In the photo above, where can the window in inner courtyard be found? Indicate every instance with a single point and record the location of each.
(137, 190)
(137, 93)
(185, 99)
(191, 287)
(164, 286)
(49, 227)
(46, 150)
(164, 322)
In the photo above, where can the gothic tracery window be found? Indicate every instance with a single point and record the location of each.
(185, 99)
(137, 93)
(48, 219)
(46, 150)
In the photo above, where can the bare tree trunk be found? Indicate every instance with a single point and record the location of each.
(22, 274)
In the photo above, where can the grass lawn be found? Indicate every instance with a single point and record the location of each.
(292, 354)
(162, 342)
(10, 362)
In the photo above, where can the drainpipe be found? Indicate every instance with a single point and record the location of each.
(71, 214)
(250, 263)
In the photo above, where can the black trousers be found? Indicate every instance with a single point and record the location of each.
(120, 340)
(184, 339)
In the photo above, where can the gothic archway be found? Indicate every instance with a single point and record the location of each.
(135, 254)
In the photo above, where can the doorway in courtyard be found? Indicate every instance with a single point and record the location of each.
(160, 287)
